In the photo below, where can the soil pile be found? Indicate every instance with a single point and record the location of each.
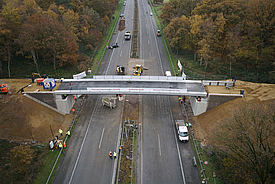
(206, 122)
(21, 117)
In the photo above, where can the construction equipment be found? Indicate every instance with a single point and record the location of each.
(120, 70)
(109, 102)
(4, 88)
(138, 70)
(40, 79)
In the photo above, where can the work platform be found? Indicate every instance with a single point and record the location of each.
(132, 85)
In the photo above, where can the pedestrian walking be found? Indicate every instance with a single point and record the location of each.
(60, 131)
(114, 155)
(183, 99)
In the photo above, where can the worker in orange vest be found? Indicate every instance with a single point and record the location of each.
(110, 155)
(74, 98)
(119, 148)
(73, 110)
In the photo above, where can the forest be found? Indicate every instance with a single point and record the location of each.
(53, 33)
(231, 37)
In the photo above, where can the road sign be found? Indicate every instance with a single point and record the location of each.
(205, 162)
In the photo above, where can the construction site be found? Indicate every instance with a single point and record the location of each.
(26, 120)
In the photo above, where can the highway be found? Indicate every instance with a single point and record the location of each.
(97, 130)
(161, 158)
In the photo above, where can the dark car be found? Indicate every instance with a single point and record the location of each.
(115, 45)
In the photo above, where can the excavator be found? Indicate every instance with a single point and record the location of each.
(4, 88)
(138, 70)
(120, 70)
(38, 80)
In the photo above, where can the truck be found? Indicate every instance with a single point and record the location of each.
(182, 130)
(127, 35)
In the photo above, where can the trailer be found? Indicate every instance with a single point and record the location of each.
(109, 102)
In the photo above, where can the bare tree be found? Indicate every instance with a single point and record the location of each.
(249, 135)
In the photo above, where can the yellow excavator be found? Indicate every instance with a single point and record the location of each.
(38, 80)
(138, 70)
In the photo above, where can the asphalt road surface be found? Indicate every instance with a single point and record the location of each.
(161, 158)
(86, 157)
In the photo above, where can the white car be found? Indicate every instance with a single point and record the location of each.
(151, 14)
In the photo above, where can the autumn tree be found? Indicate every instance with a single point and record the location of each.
(176, 33)
(249, 134)
(21, 158)
(166, 14)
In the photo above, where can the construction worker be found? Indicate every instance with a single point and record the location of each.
(74, 98)
(64, 144)
(110, 155)
(62, 79)
(60, 131)
(114, 154)
(73, 110)
(179, 98)
(60, 145)
(119, 148)
(68, 133)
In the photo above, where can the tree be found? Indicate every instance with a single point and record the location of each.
(166, 14)
(176, 33)
(21, 158)
(70, 22)
(249, 134)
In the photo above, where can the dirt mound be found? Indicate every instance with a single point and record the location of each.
(206, 122)
(24, 118)
(121, 25)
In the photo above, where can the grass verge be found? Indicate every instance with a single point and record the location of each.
(209, 168)
(106, 40)
(171, 58)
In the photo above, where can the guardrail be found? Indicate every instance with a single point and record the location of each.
(81, 103)
(196, 148)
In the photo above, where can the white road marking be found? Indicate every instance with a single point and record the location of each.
(82, 144)
(150, 54)
(120, 53)
(148, 42)
(159, 145)
(101, 138)
(181, 167)
(147, 32)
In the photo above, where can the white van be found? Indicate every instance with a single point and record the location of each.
(168, 73)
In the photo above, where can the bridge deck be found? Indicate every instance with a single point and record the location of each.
(146, 85)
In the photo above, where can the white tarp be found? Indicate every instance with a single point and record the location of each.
(80, 75)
